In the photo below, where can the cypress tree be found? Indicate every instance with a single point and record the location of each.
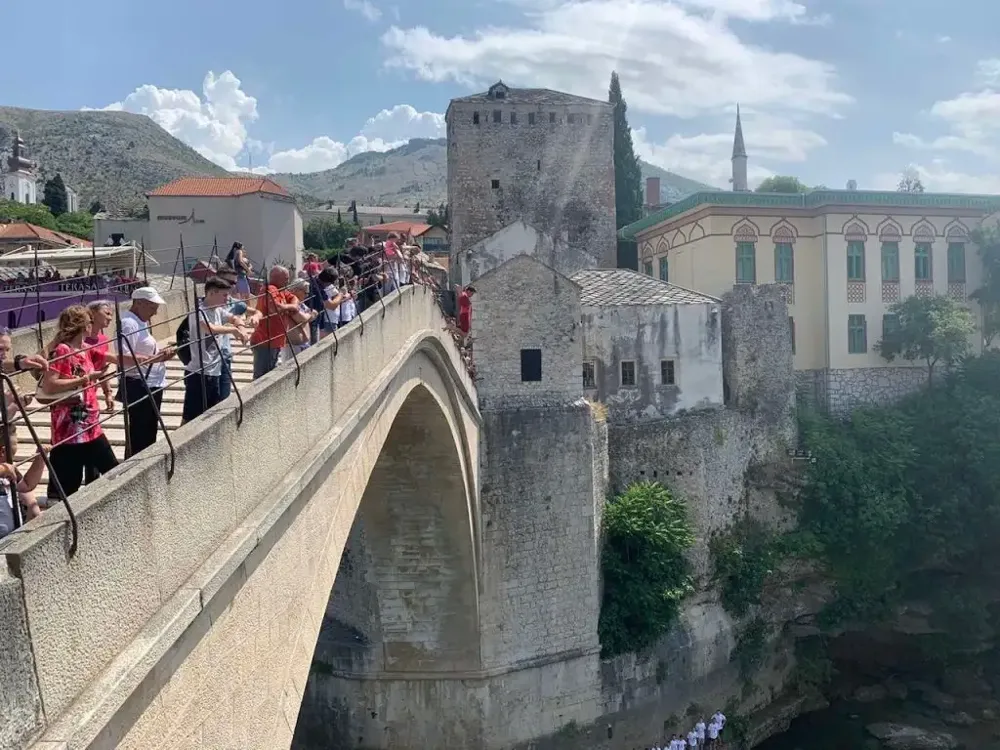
(55, 195)
(628, 176)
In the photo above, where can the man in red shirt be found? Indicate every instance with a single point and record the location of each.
(465, 309)
(274, 305)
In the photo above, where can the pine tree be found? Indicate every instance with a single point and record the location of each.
(55, 195)
(340, 219)
(354, 210)
(96, 207)
(628, 175)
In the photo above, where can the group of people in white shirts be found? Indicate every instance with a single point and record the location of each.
(700, 735)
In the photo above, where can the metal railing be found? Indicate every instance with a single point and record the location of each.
(376, 274)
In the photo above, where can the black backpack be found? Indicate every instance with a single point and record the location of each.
(183, 341)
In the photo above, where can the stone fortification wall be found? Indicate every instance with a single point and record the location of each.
(727, 464)
(841, 391)
(556, 175)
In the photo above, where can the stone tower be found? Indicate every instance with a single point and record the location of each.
(739, 157)
(20, 181)
(535, 158)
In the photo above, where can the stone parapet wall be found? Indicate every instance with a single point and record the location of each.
(840, 391)
(151, 546)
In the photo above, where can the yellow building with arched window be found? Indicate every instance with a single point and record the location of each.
(844, 257)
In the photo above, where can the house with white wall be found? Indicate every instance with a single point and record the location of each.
(650, 349)
(256, 211)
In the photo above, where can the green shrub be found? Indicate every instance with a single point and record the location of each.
(751, 648)
(745, 558)
(646, 531)
(898, 489)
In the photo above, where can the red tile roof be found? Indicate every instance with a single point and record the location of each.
(413, 228)
(219, 187)
(21, 231)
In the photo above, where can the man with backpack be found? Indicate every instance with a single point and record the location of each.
(200, 347)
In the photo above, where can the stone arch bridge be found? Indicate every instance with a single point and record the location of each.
(188, 616)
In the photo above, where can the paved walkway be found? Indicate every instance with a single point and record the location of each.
(114, 428)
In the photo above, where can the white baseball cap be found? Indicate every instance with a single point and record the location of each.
(148, 294)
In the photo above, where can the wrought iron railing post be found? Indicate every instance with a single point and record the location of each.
(123, 340)
(229, 370)
(38, 304)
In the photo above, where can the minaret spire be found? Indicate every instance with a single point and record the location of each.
(739, 157)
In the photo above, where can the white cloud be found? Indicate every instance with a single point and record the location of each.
(364, 7)
(940, 177)
(325, 153)
(972, 119)
(215, 124)
(676, 59)
(707, 157)
(943, 39)
(403, 122)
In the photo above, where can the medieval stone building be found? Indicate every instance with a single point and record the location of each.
(534, 158)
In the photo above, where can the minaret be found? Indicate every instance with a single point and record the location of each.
(739, 157)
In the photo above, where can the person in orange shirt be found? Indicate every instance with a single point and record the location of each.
(276, 305)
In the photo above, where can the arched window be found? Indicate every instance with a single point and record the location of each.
(746, 255)
(956, 262)
(855, 260)
(922, 265)
(784, 262)
(890, 262)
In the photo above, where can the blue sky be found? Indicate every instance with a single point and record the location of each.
(830, 90)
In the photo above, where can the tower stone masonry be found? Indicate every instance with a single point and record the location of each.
(537, 156)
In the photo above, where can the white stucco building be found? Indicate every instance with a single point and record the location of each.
(203, 210)
(20, 181)
(650, 348)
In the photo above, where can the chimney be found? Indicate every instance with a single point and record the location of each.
(652, 191)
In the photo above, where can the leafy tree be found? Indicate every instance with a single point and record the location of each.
(326, 234)
(646, 575)
(55, 195)
(782, 184)
(78, 223)
(902, 503)
(32, 213)
(96, 207)
(933, 329)
(909, 181)
(987, 239)
(628, 175)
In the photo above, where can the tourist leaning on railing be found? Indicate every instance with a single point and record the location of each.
(249, 319)
(276, 306)
(78, 441)
(149, 365)
(212, 328)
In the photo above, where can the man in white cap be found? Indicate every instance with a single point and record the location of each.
(145, 374)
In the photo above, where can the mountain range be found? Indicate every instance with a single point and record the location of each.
(117, 157)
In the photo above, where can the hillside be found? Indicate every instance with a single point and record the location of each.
(418, 172)
(113, 157)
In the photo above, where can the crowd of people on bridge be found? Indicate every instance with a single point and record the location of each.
(88, 370)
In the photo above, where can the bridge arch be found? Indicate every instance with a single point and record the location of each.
(225, 659)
